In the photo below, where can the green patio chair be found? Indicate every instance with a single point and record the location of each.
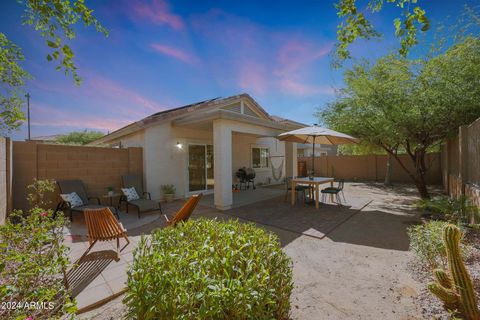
(298, 188)
(335, 191)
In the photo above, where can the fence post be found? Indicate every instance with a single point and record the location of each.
(445, 164)
(463, 157)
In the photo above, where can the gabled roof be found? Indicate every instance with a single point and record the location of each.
(188, 110)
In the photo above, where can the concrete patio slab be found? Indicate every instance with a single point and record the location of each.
(349, 262)
(249, 196)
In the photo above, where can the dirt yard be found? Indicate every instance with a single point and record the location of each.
(349, 262)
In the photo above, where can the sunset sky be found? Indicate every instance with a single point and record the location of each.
(163, 54)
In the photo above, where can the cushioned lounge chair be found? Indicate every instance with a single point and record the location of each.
(77, 186)
(185, 212)
(145, 203)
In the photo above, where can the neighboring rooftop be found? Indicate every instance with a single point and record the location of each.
(50, 138)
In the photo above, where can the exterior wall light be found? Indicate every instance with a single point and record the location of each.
(179, 145)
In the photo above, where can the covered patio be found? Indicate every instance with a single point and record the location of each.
(233, 136)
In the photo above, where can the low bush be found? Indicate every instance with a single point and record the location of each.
(460, 210)
(426, 241)
(206, 269)
(33, 263)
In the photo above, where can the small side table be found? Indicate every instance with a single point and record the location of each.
(111, 196)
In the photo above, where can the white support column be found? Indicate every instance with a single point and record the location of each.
(290, 159)
(222, 162)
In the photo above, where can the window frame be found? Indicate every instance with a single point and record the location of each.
(256, 146)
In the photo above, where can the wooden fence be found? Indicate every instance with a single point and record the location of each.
(97, 167)
(461, 163)
(371, 168)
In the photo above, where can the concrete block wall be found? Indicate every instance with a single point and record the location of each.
(370, 168)
(97, 167)
(4, 178)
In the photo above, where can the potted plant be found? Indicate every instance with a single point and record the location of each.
(168, 191)
(110, 191)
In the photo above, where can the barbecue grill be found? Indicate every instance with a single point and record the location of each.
(246, 176)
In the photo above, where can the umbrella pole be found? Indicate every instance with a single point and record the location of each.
(313, 157)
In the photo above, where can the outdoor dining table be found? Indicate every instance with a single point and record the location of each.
(315, 182)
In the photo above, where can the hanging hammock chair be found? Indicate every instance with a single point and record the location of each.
(278, 171)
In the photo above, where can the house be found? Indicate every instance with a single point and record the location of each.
(199, 147)
(46, 139)
(306, 150)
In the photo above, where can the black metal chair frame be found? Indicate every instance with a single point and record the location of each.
(145, 195)
(65, 205)
(336, 191)
(123, 199)
(298, 189)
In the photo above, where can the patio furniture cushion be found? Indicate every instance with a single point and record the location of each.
(69, 186)
(145, 204)
(133, 180)
(73, 199)
(330, 190)
(130, 193)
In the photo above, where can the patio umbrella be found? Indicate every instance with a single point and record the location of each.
(316, 134)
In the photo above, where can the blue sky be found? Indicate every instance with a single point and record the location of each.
(162, 54)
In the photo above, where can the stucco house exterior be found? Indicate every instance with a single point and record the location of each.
(306, 150)
(199, 147)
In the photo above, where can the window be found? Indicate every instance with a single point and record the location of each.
(260, 157)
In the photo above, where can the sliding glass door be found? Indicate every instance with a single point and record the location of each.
(200, 167)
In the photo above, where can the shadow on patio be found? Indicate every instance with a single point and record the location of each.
(91, 267)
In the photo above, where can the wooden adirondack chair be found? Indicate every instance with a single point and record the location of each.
(102, 226)
(185, 212)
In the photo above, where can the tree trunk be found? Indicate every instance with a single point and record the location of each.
(422, 188)
(419, 176)
(421, 170)
(388, 171)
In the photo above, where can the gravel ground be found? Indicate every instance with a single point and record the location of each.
(431, 307)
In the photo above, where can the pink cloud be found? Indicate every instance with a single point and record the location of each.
(49, 116)
(297, 88)
(259, 59)
(252, 78)
(296, 54)
(157, 12)
(175, 53)
(107, 87)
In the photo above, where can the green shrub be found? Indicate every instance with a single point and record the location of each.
(33, 263)
(426, 241)
(206, 269)
(168, 188)
(460, 210)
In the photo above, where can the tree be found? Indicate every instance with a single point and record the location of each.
(411, 105)
(79, 137)
(55, 20)
(355, 25)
